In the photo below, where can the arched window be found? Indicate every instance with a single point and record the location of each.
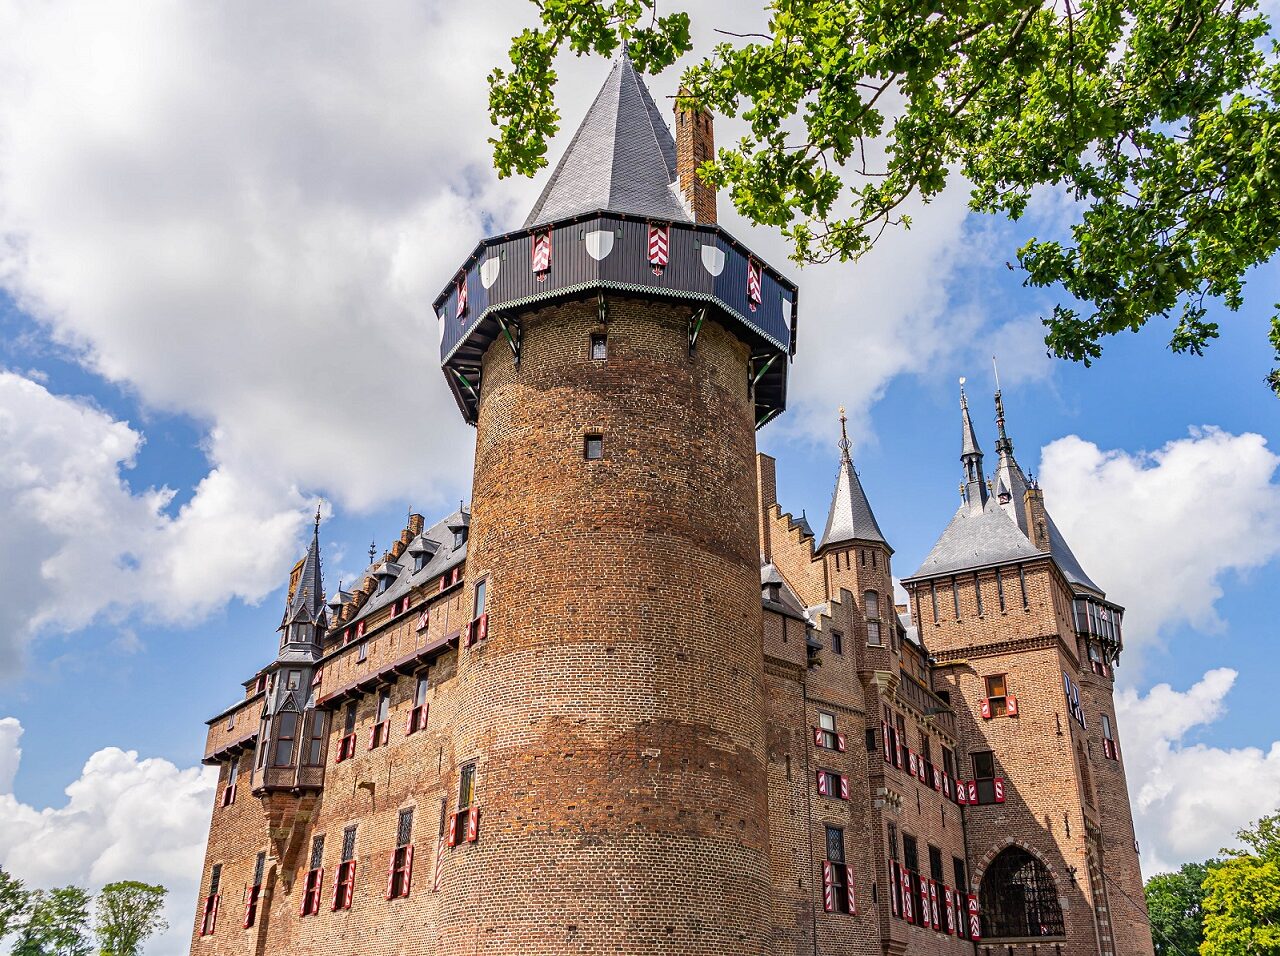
(1019, 898)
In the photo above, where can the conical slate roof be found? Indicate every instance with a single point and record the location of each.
(850, 517)
(307, 601)
(622, 158)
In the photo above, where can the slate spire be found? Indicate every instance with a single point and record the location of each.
(975, 487)
(622, 158)
(306, 603)
(850, 517)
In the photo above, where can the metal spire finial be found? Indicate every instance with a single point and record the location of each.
(964, 399)
(844, 435)
(317, 531)
(373, 549)
(1003, 445)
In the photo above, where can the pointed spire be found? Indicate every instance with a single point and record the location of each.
(622, 158)
(1003, 445)
(850, 517)
(971, 457)
(307, 601)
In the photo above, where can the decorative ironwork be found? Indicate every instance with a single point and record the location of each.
(1019, 898)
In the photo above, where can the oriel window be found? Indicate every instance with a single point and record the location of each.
(286, 731)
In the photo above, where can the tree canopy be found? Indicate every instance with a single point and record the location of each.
(57, 924)
(1158, 118)
(1175, 907)
(1242, 896)
(129, 913)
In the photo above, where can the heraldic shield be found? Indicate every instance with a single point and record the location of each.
(713, 259)
(489, 271)
(599, 243)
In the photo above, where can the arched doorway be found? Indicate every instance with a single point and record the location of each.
(1019, 898)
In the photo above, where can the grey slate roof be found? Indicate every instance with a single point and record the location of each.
(622, 158)
(307, 602)
(977, 539)
(850, 517)
(444, 558)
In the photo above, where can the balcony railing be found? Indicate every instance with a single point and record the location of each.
(914, 693)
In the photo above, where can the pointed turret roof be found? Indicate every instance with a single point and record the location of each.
(975, 486)
(850, 517)
(622, 158)
(307, 601)
(996, 530)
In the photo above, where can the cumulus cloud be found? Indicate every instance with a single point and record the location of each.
(1161, 530)
(1189, 799)
(124, 818)
(242, 216)
(79, 541)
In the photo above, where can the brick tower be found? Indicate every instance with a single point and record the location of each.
(608, 753)
(1024, 643)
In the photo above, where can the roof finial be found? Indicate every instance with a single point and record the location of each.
(844, 435)
(964, 399)
(373, 549)
(317, 531)
(1003, 445)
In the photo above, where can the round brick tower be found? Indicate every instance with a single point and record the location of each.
(609, 788)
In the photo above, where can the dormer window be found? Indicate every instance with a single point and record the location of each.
(459, 537)
(419, 561)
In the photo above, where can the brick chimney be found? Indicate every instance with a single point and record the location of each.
(1037, 522)
(695, 144)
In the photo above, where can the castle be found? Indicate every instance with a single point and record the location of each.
(626, 703)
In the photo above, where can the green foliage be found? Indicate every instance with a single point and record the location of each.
(15, 903)
(129, 913)
(1242, 896)
(1174, 904)
(1159, 118)
(57, 925)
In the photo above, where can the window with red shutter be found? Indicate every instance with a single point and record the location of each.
(209, 921)
(255, 891)
(344, 882)
(824, 735)
(837, 875)
(380, 733)
(400, 869)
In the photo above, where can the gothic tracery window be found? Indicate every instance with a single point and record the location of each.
(1019, 898)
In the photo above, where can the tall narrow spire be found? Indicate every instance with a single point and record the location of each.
(850, 517)
(1004, 447)
(971, 457)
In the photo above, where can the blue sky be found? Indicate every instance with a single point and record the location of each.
(214, 310)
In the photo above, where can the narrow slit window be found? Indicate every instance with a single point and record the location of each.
(593, 447)
(599, 346)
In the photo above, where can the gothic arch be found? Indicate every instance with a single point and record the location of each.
(1019, 896)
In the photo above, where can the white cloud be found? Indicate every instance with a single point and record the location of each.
(1189, 799)
(79, 541)
(124, 818)
(10, 752)
(242, 216)
(1161, 530)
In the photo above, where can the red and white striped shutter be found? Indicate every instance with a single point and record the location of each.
(408, 723)
(349, 886)
(753, 283)
(924, 904)
(884, 732)
(444, 581)
(817, 736)
(473, 825)
(975, 924)
(452, 835)
(973, 791)
(391, 874)
(844, 787)
(823, 788)
(213, 918)
(305, 894)
(423, 620)
(828, 887)
(338, 891)
(999, 789)
(894, 889)
(911, 762)
(946, 786)
(360, 629)
(907, 905)
(937, 779)
(248, 908)
(462, 296)
(852, 904)
(840, 742)
(438, 876)
(659, 247)
(984, 708)
(948, 909)
(408, 869)
(483, 626)
(315, 906)
(933, 905)
(1011, 705)
(541, 254)
(373, 736)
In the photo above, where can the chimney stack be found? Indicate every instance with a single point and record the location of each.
(695, 144)
(1037, 523)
